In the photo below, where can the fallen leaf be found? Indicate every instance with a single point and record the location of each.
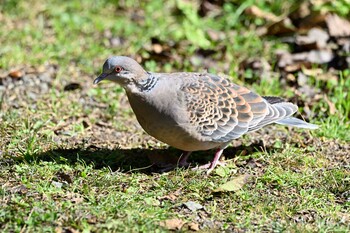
(312, 72)
(193, 206)
(172, 224)
(338, 27)
(233, 185)
(170, 197)
(222, 171)
(312, 20)
(259, 13)
(193, 226)
(16, 74)
(284, 26)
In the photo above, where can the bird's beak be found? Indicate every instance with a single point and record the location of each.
(100, 78)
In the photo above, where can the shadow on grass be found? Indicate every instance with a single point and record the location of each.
(137, 160)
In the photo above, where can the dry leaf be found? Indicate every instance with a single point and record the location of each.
(338, 27)
(193, 206)
(193, 226)
(170, 197)
(284, 26)
(258, 13)
(16, 74)
(312, 20)
(233, 185)
(172, 224)
(312, 72)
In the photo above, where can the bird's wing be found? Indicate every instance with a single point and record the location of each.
(221, 110)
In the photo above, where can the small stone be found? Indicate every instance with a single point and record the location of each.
(57, 184)
(193, 206)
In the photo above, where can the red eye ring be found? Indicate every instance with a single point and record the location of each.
(118, 69)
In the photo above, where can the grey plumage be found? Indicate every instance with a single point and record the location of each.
(195, 111)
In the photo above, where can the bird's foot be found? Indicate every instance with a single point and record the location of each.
(210, 166)
(213, 163)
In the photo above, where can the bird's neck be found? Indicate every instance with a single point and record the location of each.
(147, 84)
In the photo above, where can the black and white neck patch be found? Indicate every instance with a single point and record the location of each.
(148, 84)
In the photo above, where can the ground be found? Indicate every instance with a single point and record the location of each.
(73, 157)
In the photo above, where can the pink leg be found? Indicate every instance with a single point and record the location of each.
(210, 166)
(215, 160)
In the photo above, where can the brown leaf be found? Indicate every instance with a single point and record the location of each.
(338, 27)
(172, 224)
(193, 226)
(259, 13)
(233, 185)
(170, 197)
(284, 26)
(312, 20)
(312, 71)
(16, 74)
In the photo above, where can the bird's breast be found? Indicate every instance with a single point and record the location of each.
(166, 119)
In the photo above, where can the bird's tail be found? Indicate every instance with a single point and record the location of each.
(288, 119)
(292, 121)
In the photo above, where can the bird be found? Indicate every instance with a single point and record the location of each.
(196, 111)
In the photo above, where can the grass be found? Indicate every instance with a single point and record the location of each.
(77, 160)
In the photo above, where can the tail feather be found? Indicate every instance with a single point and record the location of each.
(274, 99)
(292, 121)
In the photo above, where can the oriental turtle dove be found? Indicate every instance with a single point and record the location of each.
(195, 111)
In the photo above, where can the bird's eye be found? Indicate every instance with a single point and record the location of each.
(118, 69)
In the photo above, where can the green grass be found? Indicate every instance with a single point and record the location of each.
(77, 160)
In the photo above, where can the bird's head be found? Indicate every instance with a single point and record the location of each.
(122, 70)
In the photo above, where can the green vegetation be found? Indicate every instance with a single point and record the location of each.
(73, 158)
